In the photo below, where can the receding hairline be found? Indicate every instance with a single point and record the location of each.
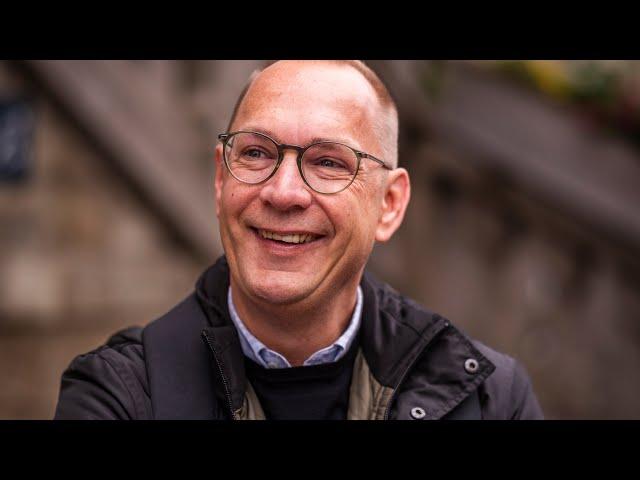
(385, 99)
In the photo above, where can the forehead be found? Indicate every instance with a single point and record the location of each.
(297, 101)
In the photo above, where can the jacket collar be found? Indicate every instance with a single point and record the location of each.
(417, 353)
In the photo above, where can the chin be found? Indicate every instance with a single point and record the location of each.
(281, 289)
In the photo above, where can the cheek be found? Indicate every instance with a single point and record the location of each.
(235, 198)
(357, 220)
(233, 203)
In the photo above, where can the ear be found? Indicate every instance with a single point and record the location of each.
(394, 203)
(219, 180)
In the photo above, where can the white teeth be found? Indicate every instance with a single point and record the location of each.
(288, 238)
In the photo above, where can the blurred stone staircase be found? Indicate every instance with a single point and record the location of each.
(135, 114)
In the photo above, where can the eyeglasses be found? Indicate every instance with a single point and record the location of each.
(326, 167)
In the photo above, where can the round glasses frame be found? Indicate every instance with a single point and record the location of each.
(281, 147)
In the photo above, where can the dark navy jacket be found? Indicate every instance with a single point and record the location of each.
(188, 364)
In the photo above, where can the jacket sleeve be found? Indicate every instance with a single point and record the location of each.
(524, 401)
(91, 389)
(507, 394)
(108, 383)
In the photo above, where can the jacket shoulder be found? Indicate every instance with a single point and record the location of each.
(109, 382)
(507, 394)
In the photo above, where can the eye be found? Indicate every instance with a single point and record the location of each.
(254, 153)
(329, 163)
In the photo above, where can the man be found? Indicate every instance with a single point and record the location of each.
(287, 325)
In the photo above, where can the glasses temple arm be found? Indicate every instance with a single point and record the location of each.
(371, 157)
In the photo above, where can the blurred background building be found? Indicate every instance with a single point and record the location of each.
(523, 227)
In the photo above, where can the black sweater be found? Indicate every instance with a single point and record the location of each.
(314, 392)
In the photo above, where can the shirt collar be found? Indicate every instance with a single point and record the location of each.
(267, 358)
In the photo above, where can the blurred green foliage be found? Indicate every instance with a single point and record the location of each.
(607, 92)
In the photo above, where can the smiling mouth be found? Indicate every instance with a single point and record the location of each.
(290, 238)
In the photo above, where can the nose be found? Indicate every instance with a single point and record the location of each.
(286, 190)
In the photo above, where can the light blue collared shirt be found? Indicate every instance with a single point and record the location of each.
(259, 353)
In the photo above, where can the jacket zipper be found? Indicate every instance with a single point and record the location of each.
(406, 371)
(224, 380)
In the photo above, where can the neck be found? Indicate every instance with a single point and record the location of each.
(297, 330)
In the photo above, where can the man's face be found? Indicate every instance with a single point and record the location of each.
(299, 103)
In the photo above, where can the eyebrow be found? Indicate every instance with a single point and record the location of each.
(269, 133)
